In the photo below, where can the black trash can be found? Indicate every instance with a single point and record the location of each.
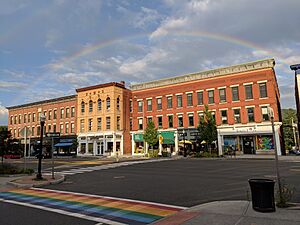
(262, 192)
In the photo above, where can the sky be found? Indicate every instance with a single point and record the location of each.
(48, 48)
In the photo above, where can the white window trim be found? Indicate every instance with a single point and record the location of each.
(158, 97)
(199, 91)
(223, 109)
(170, 114)
(200, 112)
(179, 94)
(210, 89)
(149, 117)
(169, 95)
(140, 99)
(178, 114)
(159, 115)
(236, 107)
(224, 87)
(140, 117)
(149, 98)
(189, 92)
(263, 105)
(262, 81)
(234, 85)
(247, 83)
(190, 113)
(249, 106)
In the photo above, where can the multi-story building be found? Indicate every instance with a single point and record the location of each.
(60, 116)
(109, 118)
(238, 97)
(102, 121)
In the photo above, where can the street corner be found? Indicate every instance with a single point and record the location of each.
(178, 218)
(30, 181)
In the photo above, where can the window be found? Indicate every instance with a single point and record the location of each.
(54, 127)
(20, 119)
(130, 105)
(33, 117)
(140, 106)
(118, 123)
(149, 105)
(190, 99)
(32, 131)
(67, 128)
(38, 130)
(200, 117)
(108, 123)
(179, 100)
(118, 103)
(82, 107)
(90, 123)
(72, 128)
(170, 121)
(49, 127)
(108, 103)
(159, 121)
(62, 113)
(140, 120)
(235, 93)
(213, 114)
(61, 128)
(250, 112)
(39, 116)
(200, 98)
(25, 118)
(29, 117)
(180, 121)
(72, 111)
(237, 115)
(211, 98)
(50, 115)
(99, 123)
(55, 114)
(159, 104)
(222, 93)
(149, 119)
(11, 119)
(19, 132)
(248, 89)
(81, 125)
(90, 106)
(191, 120)
(45, 114)
(263, 90)
(169, 102)
(224, 116)
(265, 114)
(16, 119)
(67, 112)
(130, 123)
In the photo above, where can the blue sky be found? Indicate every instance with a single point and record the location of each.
(49, 48)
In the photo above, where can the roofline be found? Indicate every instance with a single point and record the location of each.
(239, 68)
(116, 84)
(43, 102)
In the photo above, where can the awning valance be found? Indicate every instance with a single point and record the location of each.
(63, 144)
(168, 137)
(138, 137)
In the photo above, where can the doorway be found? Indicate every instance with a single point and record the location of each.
(248, 145)
(100, 149)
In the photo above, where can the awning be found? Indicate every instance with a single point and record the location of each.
(185, 141)
(63, 144)
(168, 137)
(138, 137)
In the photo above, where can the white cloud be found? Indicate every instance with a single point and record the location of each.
(145, 17)
(3, 115)
(171, 24)
(11, 85)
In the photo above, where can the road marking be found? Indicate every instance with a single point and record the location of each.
(101, 209)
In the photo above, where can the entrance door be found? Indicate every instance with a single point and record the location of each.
(248, 145)
(99, 148)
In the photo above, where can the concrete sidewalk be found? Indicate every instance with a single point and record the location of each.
(266, 157)
(232, 213)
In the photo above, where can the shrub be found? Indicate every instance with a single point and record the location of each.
(286, 195)
(153, 153)
(11, 169)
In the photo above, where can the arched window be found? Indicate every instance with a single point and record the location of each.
(90, 106)
(118, 103)
(99, 104)
(108, 103)
(82, 106)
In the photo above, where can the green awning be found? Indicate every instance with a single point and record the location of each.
(138, 137)
(168, 137)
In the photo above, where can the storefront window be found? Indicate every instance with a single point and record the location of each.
(265, 143)
(82, 148)
(90, 148)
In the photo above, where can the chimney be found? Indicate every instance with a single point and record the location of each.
(122, 82)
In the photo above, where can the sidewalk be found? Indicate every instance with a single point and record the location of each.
(232, 213)
(266, 157)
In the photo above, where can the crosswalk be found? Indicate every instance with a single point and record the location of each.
(107, 166)
(100, 209)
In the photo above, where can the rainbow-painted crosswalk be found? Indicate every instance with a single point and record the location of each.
(108, 210)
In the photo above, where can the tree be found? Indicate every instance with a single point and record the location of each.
(207, 128)
(4, 141)
(289, 115)
(151, 135)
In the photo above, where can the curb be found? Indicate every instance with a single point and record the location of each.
(18, 185)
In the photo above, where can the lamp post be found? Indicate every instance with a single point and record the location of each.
(184, 149)
(271, 115)
(39, 173)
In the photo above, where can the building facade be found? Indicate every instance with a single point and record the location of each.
(110, 119)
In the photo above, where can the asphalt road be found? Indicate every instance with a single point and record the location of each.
(185, 182)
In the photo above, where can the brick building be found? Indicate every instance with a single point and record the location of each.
(110, 118)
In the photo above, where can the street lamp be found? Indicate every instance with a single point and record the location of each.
(39, 173)
(184, 149)
(271, 115)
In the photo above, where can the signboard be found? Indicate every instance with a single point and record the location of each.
(53, 134)
(22, 132)
(195, 133)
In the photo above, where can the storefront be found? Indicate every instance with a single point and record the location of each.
(167, 141)
(138, 144)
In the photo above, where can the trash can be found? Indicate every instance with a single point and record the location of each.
(262, 192)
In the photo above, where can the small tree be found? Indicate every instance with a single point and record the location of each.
(207, 128)
(151, 135)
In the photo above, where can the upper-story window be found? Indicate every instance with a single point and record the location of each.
(20, 119)
(82, 107)
(82, 125)
(248, 90)
(179, 100)
(170, 121)
(263, 90)
(33, 117)
(108, 123)
(265, 114)
(191, 120)
(118, 103)
(72, 128)
(235, 93)
(224, 116)
(62, 113)
(90, 106)
(180, 120)
(237, 115)
(169, 102)
(159, 103)
(11, 120)
(149, 119)
(250, 112)
(130, 105)
(90, 124)
(72, 111)
(200, 98)
(39, 116)
(222, 94)
(99, 105)
(140, 121)
(130, 123)
(25, 118)
(54, 114)
(50, 115)
(67, 128)
(16, 120)
(211, 97)
(29, 118)
(149, 104)
(99, 123)
(159, 121)
(189, 99)
(67, 112)
(118, 123)
(108, 103)
(140, 106)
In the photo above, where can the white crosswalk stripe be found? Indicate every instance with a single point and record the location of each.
(107, 166)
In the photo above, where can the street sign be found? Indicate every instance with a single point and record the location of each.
(22, 132)
(53, 134)
(182, 134)
(195, 133)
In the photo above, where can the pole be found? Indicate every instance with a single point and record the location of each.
(25, 147)
(276, 160)
(184, 150)
(52, 149)
(39, 174)
(294, 133)
(29, 147)
(297, 105)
